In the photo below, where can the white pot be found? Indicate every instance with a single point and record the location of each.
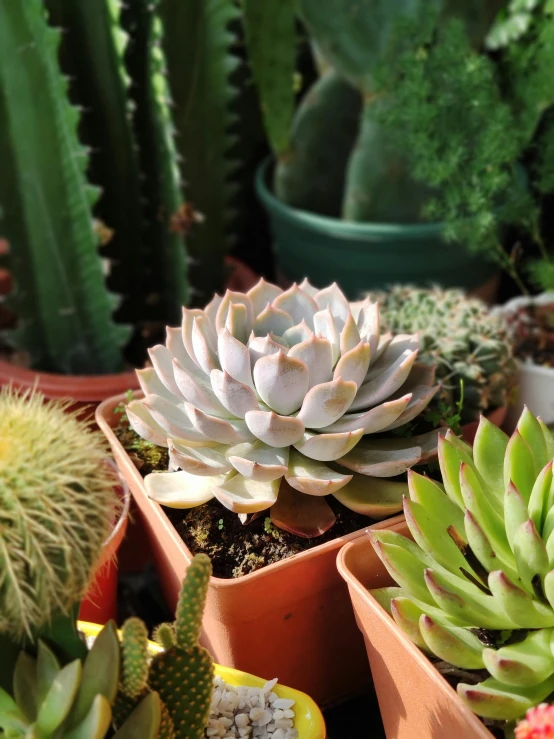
(535, 383)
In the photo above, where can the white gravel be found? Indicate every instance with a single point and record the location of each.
(250, 713)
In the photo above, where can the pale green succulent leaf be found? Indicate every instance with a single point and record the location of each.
(526, 663)
(520, 466)
(455, 645)
(375, 497)
(25, 686)
(489, 449)
(11, 718)
(100, 674)
(95, 723)
(540, 497)
(60, 697)
(495, 700)
(48, 667)
(144, 721)
(431, 495)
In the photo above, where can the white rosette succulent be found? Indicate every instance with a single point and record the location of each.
(269, 400)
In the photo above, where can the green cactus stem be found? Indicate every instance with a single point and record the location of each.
(92, 55)
(270, 30)
(165, 259)
(198, 43)
(45, 206)
(134, 645)
(183, 675)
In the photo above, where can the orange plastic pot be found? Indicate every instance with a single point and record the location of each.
(292, 619)
(416, 702)
(87, 391)
(100, 602)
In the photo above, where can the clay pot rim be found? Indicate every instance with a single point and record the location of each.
(117, 534)
(81, 388)
(103, 413)
(379, 612)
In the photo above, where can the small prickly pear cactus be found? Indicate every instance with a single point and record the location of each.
(183, 674)
(57, 502)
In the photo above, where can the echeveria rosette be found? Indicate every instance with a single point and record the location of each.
(477, 583)
(260, 396)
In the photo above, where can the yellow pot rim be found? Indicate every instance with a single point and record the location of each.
(309, 720)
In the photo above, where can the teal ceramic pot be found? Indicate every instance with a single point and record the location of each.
(365, 256)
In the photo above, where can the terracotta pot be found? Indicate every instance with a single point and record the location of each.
(470, 429)
(291, 619)
(100, 602)
(416, 702)
(87, 391)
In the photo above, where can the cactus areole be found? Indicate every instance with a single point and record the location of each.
(274, 399)
(476, 584)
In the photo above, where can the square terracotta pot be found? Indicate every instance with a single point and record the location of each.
(416, 702)
(292, 620)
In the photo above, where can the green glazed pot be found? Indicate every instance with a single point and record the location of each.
(365, 256)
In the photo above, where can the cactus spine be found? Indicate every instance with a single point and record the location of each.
(57, 501)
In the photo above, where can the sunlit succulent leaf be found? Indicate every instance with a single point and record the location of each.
(243, 495)
(259, 461)
(353, 364)
(236, 397)
(150, 383)
(373, 420)
(495, 700)
(206, 461)
(372, 496)
(525, 663)
(262, 294)
(327, 402)
(282, 382)
(227, 301)
(298, 304)
(328, 447)
(452, 644)
(297, 334)
(386, 383)
(181, 489)
(273, 429)
(317, 355)
(197, 392)
(313, 478)
(144, 425)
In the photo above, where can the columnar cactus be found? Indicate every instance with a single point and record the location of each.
(476, 584)
(268, 400)
(57, 503)
(469, 346)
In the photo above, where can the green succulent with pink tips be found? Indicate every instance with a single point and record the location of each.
(476, 584)
(275, 399)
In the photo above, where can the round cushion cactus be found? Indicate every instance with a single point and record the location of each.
(270, 399)
(57, 502)
(469, 346)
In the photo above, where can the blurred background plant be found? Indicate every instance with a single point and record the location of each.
(106, 172)
(421, 111)
(469, 346)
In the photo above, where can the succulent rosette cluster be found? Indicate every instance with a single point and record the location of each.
(275, 399)
(476, 584)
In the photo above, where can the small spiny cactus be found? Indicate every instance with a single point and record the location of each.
(183, 675)
(164, 635)
(57, 503)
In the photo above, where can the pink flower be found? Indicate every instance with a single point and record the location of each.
(537, 724)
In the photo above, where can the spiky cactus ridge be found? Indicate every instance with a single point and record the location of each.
(460, 336)
(57, 504)
(274, 399)
(477, 583)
